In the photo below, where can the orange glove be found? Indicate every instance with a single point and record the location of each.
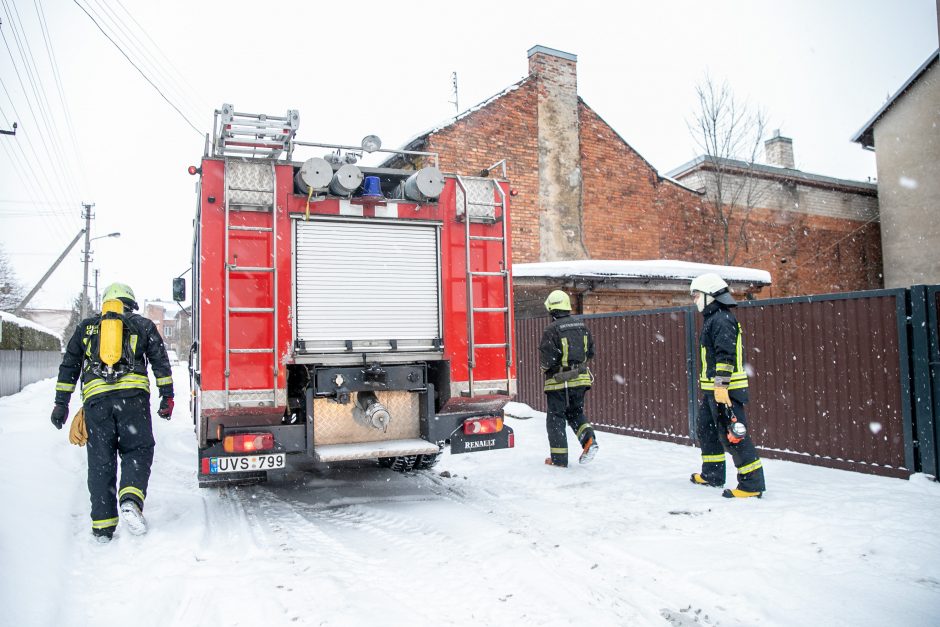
(78, 434)
(721, 396)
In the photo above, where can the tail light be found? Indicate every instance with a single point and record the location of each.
(483, 425)
(248, 442)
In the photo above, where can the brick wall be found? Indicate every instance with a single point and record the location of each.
(629, 212)
(507, 128)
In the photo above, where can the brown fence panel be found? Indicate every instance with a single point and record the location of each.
(641, 382)
(829, 377)
(528, 377)
(828, 380)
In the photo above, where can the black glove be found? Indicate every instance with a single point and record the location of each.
(59, 414)
(166, 407)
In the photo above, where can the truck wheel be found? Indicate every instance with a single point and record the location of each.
(402, 463)
(427, 461)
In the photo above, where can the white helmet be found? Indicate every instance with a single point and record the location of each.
(714, 288)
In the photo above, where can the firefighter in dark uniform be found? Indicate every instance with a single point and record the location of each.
(564, 352)
(722, 425)
(116, 403)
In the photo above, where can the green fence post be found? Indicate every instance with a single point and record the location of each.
(922, 395)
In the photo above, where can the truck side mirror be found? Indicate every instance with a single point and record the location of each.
(179, 289)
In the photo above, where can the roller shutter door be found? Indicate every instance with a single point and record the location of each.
(369, 283)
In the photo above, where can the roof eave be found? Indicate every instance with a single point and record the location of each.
(866, 135)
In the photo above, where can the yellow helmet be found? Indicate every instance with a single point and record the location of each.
(120, 291)
(558, 301)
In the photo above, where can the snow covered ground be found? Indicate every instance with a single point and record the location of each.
(497, 539)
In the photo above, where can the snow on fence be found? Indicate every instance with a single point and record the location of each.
(847, 381)
(28, 353)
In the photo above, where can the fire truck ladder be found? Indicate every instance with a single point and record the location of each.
(253, 134)
(248, 188)
(492, 211)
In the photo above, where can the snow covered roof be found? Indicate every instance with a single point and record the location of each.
(773, 171)
(23, 322)
(646, 269)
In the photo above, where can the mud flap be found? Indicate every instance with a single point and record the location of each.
(460, 442)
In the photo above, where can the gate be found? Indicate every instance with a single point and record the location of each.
(848, 381)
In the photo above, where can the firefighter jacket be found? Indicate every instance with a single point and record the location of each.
(722, 348)
(564, 351)
(141, 344)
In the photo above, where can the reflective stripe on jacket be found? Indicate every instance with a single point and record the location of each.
(564, 351)
(143, 345)
(722, 348)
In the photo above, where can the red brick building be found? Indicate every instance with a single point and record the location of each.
(582, 192)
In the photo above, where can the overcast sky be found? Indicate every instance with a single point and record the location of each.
(819, 69)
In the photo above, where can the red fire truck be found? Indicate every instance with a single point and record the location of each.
(343, 312)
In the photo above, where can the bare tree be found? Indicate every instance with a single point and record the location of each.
(729, 134)
(11, 290)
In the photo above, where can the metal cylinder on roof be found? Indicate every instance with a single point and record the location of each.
(346, 180)
(425, 184)
(315, 173)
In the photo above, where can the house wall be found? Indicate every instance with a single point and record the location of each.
(811, 241)
(629, 211)
(505, 129)
(907, 149)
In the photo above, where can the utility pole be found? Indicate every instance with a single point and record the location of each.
(87, 215)
(22, 305)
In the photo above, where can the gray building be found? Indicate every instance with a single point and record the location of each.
(905, 135)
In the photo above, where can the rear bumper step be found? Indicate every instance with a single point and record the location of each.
(370, 450)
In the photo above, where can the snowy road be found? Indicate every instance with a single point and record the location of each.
(499, 539)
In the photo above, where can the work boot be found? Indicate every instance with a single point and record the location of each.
(103, 536)
(133, 517)
(589, 451)
(740, 494)
(549, 462)
(697, 479)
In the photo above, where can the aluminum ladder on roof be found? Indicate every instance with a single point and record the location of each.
(253, 134)
(250, 187)
(489, 211)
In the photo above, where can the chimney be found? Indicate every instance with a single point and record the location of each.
(559, 137)
(778, 151)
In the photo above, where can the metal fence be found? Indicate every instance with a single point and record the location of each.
(844, 380)
(19, 368)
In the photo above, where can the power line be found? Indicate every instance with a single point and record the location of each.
(39, 101)
(55, 224)
(28, 162)
(162, 71)
(50, 51)
(146, 78)
(192, 91)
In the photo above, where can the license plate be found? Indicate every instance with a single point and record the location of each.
(244, 463)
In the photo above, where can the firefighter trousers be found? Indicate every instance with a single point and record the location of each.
(117, 426)
(566, 406)
(712, 432)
